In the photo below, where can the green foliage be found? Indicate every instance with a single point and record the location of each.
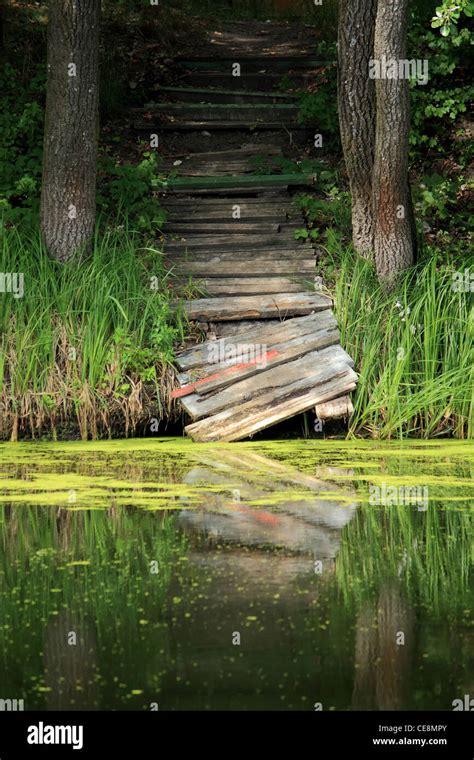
(436, 200)
(413, 346)
(21, 135)
(437, 106)
(318, 105)
(114, 310)
(128, 188)
(448, 14)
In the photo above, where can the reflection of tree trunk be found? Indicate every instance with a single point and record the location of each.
(363, 695)
(394, 660)
(70, 669)
(383, 666)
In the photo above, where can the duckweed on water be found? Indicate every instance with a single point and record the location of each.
(155, 552)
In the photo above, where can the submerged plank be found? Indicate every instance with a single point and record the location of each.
(246, 307)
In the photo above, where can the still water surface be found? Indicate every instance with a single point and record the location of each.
(274, 575)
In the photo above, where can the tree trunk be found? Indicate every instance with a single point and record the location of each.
(393, 209)
(71, 127)
(356, 96)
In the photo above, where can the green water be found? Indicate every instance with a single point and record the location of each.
(276, 575)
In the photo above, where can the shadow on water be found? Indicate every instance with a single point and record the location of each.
(161, 575)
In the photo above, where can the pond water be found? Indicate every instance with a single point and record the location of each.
(162, 574)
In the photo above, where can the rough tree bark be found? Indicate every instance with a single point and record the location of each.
(392, 205)
(71, 127)
(356, 96)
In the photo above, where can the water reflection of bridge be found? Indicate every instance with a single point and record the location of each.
(269, 506)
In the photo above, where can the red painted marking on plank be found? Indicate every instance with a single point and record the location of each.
(186, 390)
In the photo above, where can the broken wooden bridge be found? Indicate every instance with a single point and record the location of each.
(273, 347)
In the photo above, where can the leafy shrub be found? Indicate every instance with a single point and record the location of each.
(21, 136)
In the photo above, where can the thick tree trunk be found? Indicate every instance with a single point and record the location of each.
(393, 210)
(71, 127)
(356, 100)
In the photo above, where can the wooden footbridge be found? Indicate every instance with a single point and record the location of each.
(272, 348)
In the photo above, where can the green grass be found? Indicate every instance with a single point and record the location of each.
(89, 346)
(413, 348)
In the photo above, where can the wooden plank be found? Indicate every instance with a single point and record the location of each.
(198, 125)
(248, 286)
(223, 215)
(335, 409)
(273, 334)
(191, 226)
(219, 268)
(247, 81)
(224, 110)
(232, 242)
(247, 307)
(253, 64)
(270, 408)
(265, 357)
(207, 94)
(230, 253)
(245, 181)
(245, 150)
(280, 198)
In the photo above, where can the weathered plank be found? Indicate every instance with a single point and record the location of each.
(248, 286)
(219, 268)
(234, 242)
(246, 150)
(264, 62)
(277, 405)
(335, 409)
(259, 358)
(198, 125)
(247, 81)
(194, 227)
(254, 182)
(271, 333)
(242, 255)
(215, 95)
(257, 307)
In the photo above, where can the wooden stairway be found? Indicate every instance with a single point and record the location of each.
(273, 344)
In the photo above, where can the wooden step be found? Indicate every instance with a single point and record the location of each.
(238, 226)
(241, 255)
(254, 182)
(247, 286)
(256, 307)
(215, 95)
(219, 268)
(271, 81)
(251, 359)
(254, 64)
(271, 333)
(289, 391)
(210, 125)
